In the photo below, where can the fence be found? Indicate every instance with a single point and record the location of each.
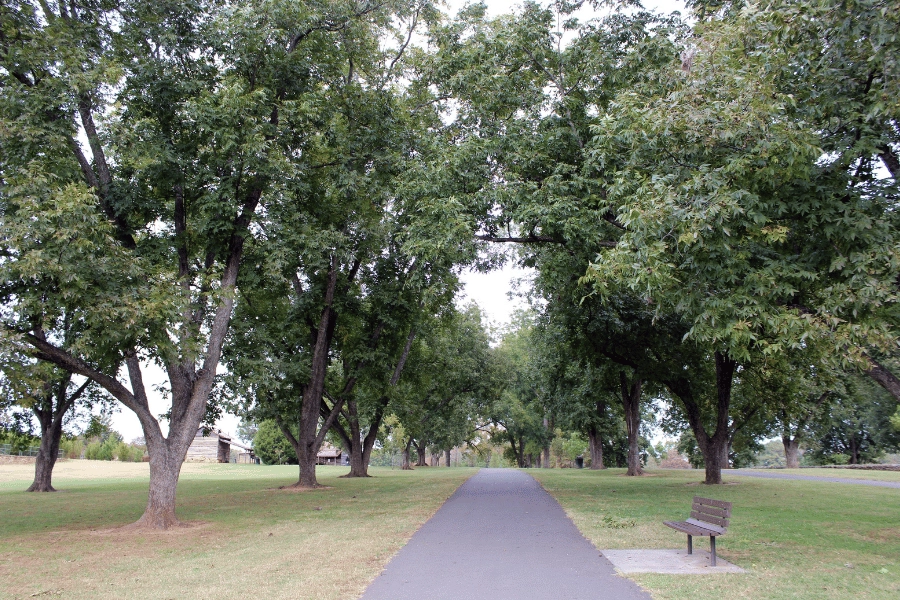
(7, 450)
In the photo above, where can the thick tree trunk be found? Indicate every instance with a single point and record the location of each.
(529, 460)
(791, 452)
(420, 456)
(631, 400)
(715, 459)
(595, 446)
(854, 451)
(358, 465)
(446, 458)
(51, 434)
(404, 457)
(537, 458)
(165, 467)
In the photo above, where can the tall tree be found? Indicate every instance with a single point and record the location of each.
(197, 116)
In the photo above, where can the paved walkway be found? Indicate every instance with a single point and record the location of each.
(888, 484)
(500, 537)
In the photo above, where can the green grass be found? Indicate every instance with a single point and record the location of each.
(252, 540)
(797, 539)
(839, 473)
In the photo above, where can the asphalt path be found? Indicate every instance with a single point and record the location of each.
(500, 536)
(888, 484)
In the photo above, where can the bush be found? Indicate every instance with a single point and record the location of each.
(128, 453)
(72, 448)
(272, 447)
(101, 450)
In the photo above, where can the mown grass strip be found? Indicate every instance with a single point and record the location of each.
(255, 541)
(799, 539)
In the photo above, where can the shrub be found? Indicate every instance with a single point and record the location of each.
(271, 445)
(72, 448)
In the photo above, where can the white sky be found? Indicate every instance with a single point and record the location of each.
(494, 292)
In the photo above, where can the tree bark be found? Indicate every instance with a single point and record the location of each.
(854, 450)
(631, 400)
(446, 458)
(420, 455)
(51, 434)
(165, 467)
(884, 378)
(595, 445)
(791, 452)
(545, 463)
(404, 460)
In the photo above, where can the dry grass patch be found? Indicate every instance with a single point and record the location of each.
(799, 539)
(254, 541)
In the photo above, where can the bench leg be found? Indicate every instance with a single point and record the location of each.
(712, 550)
(690, 544)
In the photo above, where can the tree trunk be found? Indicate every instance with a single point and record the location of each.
(854, 451)
(715, 459)
(595, 445)
(631, 400)
(791, 452)
(420, 455)
(165, 467)
(487, 458)
(51, 433)
(716, 454)
(404, 460)
(545, 463)
(446, 458)
(713, 447)
(537, 458)
(359, 467)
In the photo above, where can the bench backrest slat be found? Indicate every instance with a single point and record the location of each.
(712, 502)
(708, 519)
(710, 510)
(714, 512)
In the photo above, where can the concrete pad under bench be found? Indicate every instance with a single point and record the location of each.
(670, 562)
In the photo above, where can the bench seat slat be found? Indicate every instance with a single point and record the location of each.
(691, 529)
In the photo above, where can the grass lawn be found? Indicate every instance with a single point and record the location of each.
(798, 539)
(839, 473)
(252, 540)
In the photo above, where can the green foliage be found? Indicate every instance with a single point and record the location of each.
(736, 193)
(271, 446)
(687, 446)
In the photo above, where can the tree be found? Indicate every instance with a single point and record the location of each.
(727, 175)
(208, 110)
(271, 445)
(450, 382)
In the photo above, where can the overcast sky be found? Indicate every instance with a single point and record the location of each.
(496, 293)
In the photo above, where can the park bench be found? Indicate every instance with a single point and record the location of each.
(708, 517)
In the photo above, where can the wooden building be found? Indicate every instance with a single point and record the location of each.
(216, 447)
(329, 455)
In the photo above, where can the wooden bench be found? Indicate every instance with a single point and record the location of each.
(708, 517)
